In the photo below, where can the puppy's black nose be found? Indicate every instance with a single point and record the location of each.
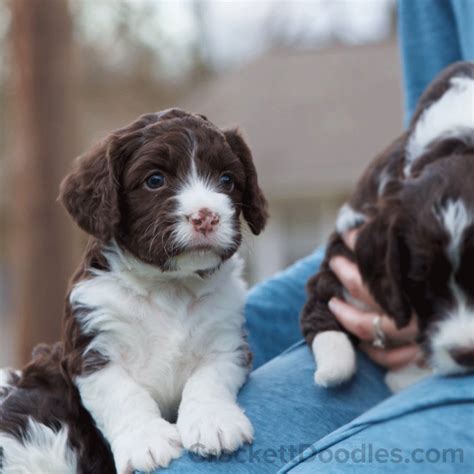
(463, 356)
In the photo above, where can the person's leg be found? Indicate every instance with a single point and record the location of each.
(289, 412)
(273, 308)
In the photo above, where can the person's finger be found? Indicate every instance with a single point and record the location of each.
(350, 238)
(361, 323)
(349, 276)
(406, 334)
(393, 358)
(354, 320)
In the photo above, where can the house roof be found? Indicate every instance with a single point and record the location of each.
(313, 119)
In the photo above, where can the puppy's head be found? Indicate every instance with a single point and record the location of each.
(417, 254)
(169, 188)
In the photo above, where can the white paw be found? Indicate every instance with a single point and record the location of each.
(214, 428)
(146, 447)
(330, 377)
(335, 358)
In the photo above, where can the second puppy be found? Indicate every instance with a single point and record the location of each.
(414, 207)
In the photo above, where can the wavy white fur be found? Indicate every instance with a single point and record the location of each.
(43, 450)
(450, 116)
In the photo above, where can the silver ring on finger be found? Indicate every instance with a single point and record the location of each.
(380, 340)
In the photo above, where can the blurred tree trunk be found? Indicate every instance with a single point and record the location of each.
(42, 105)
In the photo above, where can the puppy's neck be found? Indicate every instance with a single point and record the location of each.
(147, 276)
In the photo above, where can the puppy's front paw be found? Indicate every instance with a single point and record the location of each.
(213, 429)
(146, 447)
(335, 358)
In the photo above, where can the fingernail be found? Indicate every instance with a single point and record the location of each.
(333, 305)
(333, 264)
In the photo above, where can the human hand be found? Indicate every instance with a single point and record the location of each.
(400, 349)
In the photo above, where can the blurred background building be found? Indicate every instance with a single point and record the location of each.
(314, 85)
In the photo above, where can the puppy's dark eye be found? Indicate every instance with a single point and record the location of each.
(155, 181)
(227, 181)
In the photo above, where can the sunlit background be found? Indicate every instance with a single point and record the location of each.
(314, 85)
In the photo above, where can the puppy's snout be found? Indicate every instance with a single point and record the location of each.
(204, 221)
(463, 356)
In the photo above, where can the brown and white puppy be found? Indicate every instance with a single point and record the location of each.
(414, 207)
(153, 347)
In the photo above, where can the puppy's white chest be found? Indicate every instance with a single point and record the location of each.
(161, 333)
(166, 344)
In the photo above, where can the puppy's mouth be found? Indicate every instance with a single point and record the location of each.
(201, 241)
(193, 260)
(221, 239)
(200, 247)
(203, 253)
(197, 247)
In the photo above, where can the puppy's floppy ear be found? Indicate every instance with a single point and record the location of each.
(90, 192)
(383, 260)
(254, 202)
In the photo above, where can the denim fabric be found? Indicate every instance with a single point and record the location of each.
(424, 429)
(273, 309)
(289, 412)
(433, 34)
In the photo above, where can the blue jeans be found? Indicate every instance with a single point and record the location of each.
(297, 423)
(433, 34)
